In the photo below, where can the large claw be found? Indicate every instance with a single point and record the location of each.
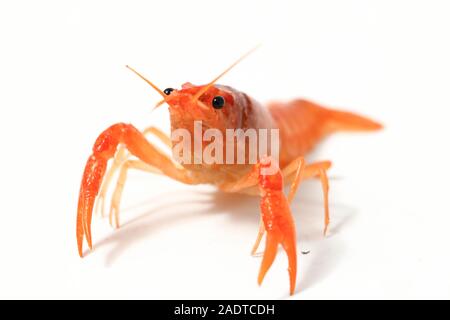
(279, 224)
(92, 177)
(104, 149)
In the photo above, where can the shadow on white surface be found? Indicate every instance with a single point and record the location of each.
(324, 253)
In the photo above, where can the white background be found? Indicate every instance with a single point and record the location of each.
(63, 80)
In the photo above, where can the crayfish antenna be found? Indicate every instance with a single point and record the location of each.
(148, 81)
(159, 104)
(209, 85)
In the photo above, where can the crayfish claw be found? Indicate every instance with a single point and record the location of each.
(278, 222)
(288, 243)
(270, 253)
(90, 184)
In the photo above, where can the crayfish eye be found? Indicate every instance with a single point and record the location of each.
(218, 102)
(168, 91)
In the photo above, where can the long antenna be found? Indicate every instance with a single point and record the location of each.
(148, 81)
(209, 85)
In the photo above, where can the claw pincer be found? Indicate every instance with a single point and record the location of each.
(104, 149)
(278, 222)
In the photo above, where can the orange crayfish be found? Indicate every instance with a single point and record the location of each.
(301, 124)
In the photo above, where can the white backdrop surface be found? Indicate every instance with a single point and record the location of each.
(63, 81)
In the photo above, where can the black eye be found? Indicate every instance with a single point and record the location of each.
(167, 91)
(218, 102)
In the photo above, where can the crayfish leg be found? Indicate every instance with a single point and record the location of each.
(104, 149)
(261, 232)
(313, 170)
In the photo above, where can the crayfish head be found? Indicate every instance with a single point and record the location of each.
(215, 108)
(203, 117)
